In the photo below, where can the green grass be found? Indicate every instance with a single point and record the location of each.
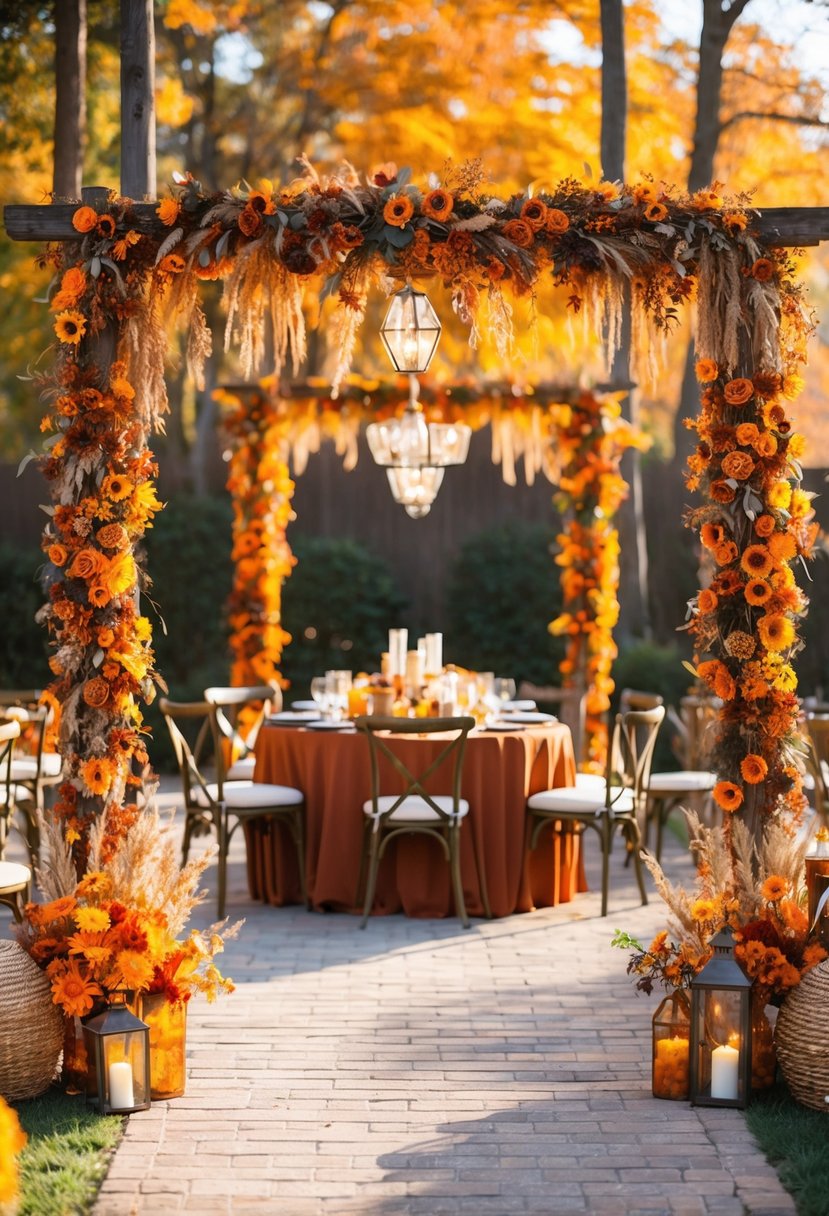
(66, 1159)
(795, 1139)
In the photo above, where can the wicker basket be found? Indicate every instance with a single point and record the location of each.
(802, 1038)
(31, 1026)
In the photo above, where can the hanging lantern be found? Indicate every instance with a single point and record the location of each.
(721, 1029)
(415, 489)
(118, 1049)
(410, 331)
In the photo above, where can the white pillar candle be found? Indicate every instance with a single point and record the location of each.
(434, 653)
(414, 672)
(398, 645)
(725, 1072)
(121, 1093)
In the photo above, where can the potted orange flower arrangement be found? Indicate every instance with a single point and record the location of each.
(121, 927)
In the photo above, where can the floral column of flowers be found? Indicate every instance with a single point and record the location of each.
(261, 489)
(755, 521)
(101, 473)
(591, 438)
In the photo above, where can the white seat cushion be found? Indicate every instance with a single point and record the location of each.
(247, 795)
(590, 781)
(13, 876)
(571, 800)
(24, 768)
(415, 809)
(683, 781)
(242, 770)
(19, 794)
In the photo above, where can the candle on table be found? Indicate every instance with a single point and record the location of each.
(414, 672)
(398, 645)
(725, 1072)
(121, 1093)
(434, 654)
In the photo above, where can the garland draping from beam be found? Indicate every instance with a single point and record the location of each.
(268, 243)
(576, 438)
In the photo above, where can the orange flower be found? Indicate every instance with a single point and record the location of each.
(712, 535)
(727, 795)
(756, 560)
(97, 775)
(738, 465)
(738, 392)
(116, 487)
(706, 601)
(766, 444)
(534, 213)
(735, 221)
(73, 283)
(764, 525)
(726, 553)
(753, 769)
(168, 211)
(721, 491)
(47, 914)
(86, 563)
(250, 221)
(113, 536)
(438, 205)
(776, 631)
(57, 554)
(106, 637)
(747, 434)
(706, 370)
(556, 221)
(519, 232)
(725, 686)
(70, 326)
(774, 888)
(73, 991)
(398, 210)
(106, 226)
(757, 592)
(782, 546)
(173, 263)
(656, 212)
(762, 270)
(84, 219)
(136, 970)
(99, 595)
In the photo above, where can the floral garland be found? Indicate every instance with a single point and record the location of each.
(104, 499)
(261, 491)
(755, 523)
(591, 438)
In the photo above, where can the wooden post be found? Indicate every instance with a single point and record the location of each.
(138, 173)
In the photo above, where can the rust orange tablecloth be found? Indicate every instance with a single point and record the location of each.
(332, 769)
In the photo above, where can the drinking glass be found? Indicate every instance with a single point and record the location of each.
(319, 691)
(504, 689)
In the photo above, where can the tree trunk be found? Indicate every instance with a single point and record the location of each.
(138, 172)
(70, 98)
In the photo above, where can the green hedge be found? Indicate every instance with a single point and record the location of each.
(337, 605)
(502, 593)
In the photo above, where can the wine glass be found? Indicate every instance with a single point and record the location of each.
(319, 691)
(504, 689)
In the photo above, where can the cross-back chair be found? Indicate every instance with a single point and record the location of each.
(415, 810)
(694, 782)
(239, 736)
(616, 804)
(35, 767)
(14, 878)
(221, 805)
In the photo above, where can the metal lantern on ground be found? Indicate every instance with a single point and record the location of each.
(721, 1029)
(410, 331)
(118, 1049)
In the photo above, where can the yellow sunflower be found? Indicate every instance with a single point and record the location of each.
(70, 326)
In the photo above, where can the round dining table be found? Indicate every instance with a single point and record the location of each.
(332, 769)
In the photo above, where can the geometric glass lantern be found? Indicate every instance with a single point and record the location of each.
(410, 331)
(415, 489)
(721, 1029)
(118, 1050)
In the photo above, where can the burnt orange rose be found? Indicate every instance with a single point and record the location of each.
(764, 525)
(738, 465)
(534, 213)
(519, 232)
(726, 553)
(556, 221)
(721, 491)
(250, 221)
(707, 601)
(762, 270)
(86, 564)
(57, 554)
(85, 219)
(706, 370)
(739, 391)
(766, 444)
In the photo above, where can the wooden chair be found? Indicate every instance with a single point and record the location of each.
(618, 805)
(568, 704)
(229, 702)
(693, 783)
(415, 810)
(215, 804)
(14, 878)
(35, 769)
(817, 761)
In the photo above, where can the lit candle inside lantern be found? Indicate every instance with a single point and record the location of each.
(725, 1072)
(670, 1068)
(121, 1093)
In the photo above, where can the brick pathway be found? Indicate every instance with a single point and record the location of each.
(415, 1068)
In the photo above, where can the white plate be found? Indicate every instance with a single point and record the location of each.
(511, 707)
(306, 707)
(532, 719)
(502, 727)
(292, 719)
(322, 725)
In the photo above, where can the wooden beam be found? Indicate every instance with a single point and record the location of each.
(783, 226)
(138, 175)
